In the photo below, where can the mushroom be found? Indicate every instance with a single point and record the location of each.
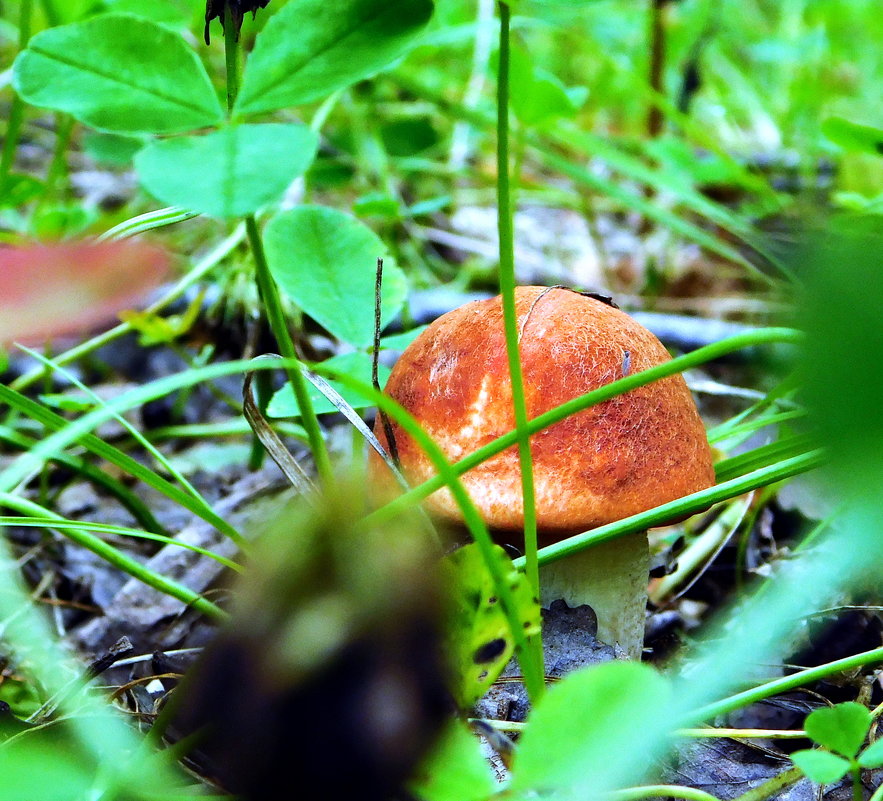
(615, 459)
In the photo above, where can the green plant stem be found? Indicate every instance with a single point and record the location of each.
(136, 507)
(549, 148)
(786, 683)
(53, 422)
(267, 286)
(510, 317)
(687, 361)
(57, 172)
(687, 505)
(856, 771)
(656, 790)
(772, 786)
(17, 109)
(117, 558)
(276, 317)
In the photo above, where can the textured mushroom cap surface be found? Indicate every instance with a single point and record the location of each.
(615, 459)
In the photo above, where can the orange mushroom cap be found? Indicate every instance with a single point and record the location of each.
(615, 459)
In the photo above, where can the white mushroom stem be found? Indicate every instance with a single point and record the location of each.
(610, 577)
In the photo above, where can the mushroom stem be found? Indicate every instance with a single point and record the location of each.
(612, 578)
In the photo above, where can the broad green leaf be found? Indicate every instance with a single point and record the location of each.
(311, 48)
(120, 73)
(115, 149)
(165, 12)
(402, 340)
(852, 136)
(822, 767)
(456, 770)
(574, 734)
(841, 728)
(357, 365)
(479, 641)
(538, 96)
(228, 173)
(326, 261)
(872, 756)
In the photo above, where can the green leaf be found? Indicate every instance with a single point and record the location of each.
(575, 733)
(114, 149)
(326, 262)
(313, 47)
(228, 173)
(118, 73)
(841, 728)
(480, 642)
(357, 365)
(402, 340)
(872, 756)
(822, 767)
(538, 96)
(456, 770)
(165, 12)
(852, 136)
(20, 189)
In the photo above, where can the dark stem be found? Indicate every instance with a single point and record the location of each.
(231, 56)
(375, 359)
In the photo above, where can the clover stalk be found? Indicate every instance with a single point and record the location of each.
(267, 288)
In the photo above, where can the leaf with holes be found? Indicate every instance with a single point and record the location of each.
(228, 173)
(119, 73)
(480, 642)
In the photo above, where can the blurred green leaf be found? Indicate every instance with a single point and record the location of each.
(574, 734)
(164, 12)
(19, 189)
(377, 204)
(538, 97)
(228, 173)
(841, 728)
(456, 770)
(844, 337)
(61, 220)
(408, 137)
(480, 642)
(872, 756)
(326, 261)
(120, 73)
(38, 766)
(311, 48)
(114, 149)
(820, 766)
(852, 136)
